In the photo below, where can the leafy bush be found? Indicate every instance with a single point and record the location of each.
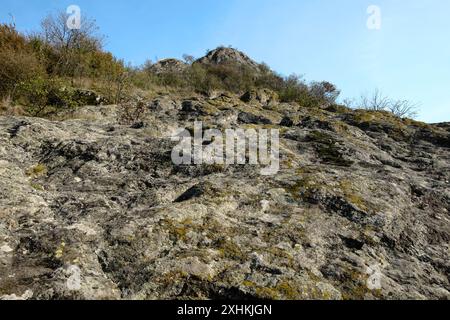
(40, 93)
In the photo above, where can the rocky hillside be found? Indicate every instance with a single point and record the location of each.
(93, 207)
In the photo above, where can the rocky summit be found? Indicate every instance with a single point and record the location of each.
(224, 55)
(168, 66)
(93, 207)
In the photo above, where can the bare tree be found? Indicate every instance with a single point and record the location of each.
(147, 66)
(13, 19)
(404, 108)
(379, 102)
(56, 32)
(375, 102)
(349, 102)
(67, 42)
(188, 58)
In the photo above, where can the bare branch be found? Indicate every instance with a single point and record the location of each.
(404, 108)
(378, 102)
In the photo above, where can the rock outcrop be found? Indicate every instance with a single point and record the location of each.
(91, 209)
(168, 66)
(223, 55)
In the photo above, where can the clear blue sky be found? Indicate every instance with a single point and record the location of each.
(409, 58)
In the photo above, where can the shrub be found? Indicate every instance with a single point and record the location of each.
(10, 38)
(132, 112)
(141, 79)
(39, 93)
(16, 67)
(404, 109)
(199, 79)
(232, 77)
(324, 92)
(17, 62)
(171, 79)
(269, 79)
(293, 89)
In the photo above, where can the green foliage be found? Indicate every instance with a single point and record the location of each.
(98, 64)
(269, 79)
(40, 93)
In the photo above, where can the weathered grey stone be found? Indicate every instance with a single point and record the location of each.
(91, 209)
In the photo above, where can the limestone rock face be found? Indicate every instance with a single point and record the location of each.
(92, 209)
